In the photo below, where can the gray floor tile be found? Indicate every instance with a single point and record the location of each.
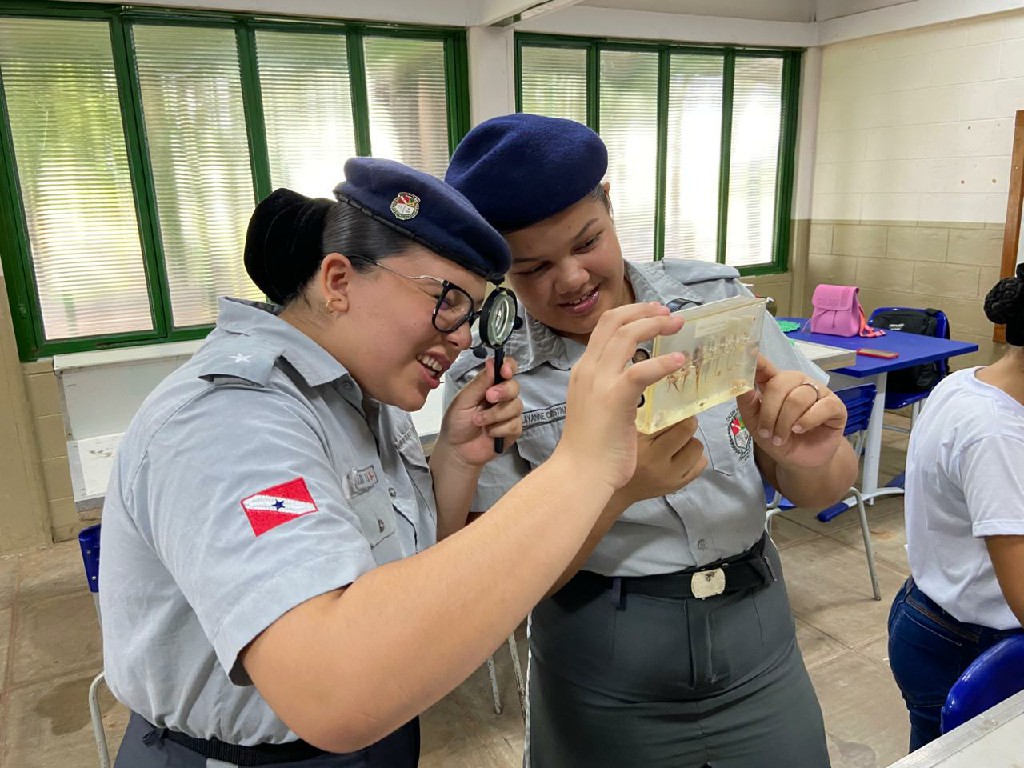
(815, 645)
(55, 638)
(48, 724)
(8, 579)
(876, 650)
(46, 573)
(888, 534)
(865, 718)
(786, 533)
(829, 589)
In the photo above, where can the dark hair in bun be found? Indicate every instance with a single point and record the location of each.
(1005, 305)
(289, 234)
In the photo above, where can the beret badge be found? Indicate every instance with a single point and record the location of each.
(405, 206)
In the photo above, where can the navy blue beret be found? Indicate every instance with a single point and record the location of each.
(520, 169)
(427, 211)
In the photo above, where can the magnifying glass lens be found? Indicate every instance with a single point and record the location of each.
(501, 317)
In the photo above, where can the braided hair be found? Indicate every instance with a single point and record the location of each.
(1005, 304)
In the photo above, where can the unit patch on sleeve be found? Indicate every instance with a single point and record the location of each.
(278, 504)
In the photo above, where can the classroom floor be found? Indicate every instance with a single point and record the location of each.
(50, 651)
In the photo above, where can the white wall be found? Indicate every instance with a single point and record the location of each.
(918, 126)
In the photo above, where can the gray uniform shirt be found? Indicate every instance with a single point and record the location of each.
(255, 477)
(719, 514)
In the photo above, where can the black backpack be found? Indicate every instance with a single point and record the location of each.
(919, 378)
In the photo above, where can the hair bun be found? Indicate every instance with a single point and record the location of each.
(1006, 299)
(283, 243)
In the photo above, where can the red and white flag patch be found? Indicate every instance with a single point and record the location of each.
(278, 504)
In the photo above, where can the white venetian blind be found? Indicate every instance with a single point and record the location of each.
(553, 82)
(693, 157)
(629, 126)
(307, 109)
(753, 162)
(72, 167)
(408, 104)
(195, 128)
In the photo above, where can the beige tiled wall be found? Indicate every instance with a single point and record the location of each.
(24, 512)
(48, 423)
(950, 266)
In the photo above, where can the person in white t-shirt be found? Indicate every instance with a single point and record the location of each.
(965, 524)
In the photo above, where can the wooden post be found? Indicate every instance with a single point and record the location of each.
(1012, 234)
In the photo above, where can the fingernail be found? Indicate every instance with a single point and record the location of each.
(798, 429)
(776, 440)
(763, 433)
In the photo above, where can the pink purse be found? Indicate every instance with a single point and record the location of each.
(837, 312)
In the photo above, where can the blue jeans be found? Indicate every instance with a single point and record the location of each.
(928, 651)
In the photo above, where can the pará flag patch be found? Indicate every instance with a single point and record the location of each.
(278, 504)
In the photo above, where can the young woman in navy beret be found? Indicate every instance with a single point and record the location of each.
(273, 590)
(668, 642)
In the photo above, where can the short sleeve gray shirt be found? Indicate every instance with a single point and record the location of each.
(719, 514)
(255, 477)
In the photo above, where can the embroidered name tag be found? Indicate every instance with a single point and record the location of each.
(359, 481)
(545, 416)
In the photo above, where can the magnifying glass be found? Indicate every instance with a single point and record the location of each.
(498, 318)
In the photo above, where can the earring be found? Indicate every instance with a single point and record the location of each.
(329, 304)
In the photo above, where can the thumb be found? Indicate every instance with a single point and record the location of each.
(474, 393)
(749, 406)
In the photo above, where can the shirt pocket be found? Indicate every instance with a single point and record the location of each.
(537, 444)
(727, 441)
(375, 514)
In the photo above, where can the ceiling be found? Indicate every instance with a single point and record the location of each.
(760, 10)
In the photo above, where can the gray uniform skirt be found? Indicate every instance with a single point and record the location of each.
(620, 680)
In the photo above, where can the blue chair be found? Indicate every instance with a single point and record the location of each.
(995, 675)
(858, 401)
(89, 541)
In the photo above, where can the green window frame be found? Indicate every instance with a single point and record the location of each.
(15, 249)
(786, 158)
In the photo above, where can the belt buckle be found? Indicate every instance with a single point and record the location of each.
(705, 584)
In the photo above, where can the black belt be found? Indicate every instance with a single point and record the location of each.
(748, 570)
(260, 754)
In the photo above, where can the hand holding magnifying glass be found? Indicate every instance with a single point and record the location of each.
(498, 318)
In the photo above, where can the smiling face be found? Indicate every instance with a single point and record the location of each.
(380, 326)
(567, 270)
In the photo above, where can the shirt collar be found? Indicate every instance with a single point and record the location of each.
(250, 318)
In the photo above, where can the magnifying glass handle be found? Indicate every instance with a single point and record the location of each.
(499, 361)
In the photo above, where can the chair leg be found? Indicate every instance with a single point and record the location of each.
(868, 549)
(97, 721)
(915, 411)
(492, 673)
(517, 671)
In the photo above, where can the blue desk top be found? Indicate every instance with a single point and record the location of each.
(912, 349)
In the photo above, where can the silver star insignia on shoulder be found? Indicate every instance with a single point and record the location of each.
(240, 358)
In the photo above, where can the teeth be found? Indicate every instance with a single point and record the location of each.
(431, 363)
(581, 299)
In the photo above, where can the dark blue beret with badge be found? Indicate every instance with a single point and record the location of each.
(427, 211)
(520, 169)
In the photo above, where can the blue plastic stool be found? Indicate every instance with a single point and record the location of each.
(89, 541)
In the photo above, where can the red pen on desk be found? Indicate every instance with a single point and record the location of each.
(878, 353)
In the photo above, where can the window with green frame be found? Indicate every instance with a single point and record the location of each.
(135, 142)
(701, 141)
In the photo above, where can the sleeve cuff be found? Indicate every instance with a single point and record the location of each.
(998, 528)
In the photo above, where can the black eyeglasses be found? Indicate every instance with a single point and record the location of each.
(454, 306)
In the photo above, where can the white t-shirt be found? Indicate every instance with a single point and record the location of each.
(965, 481)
